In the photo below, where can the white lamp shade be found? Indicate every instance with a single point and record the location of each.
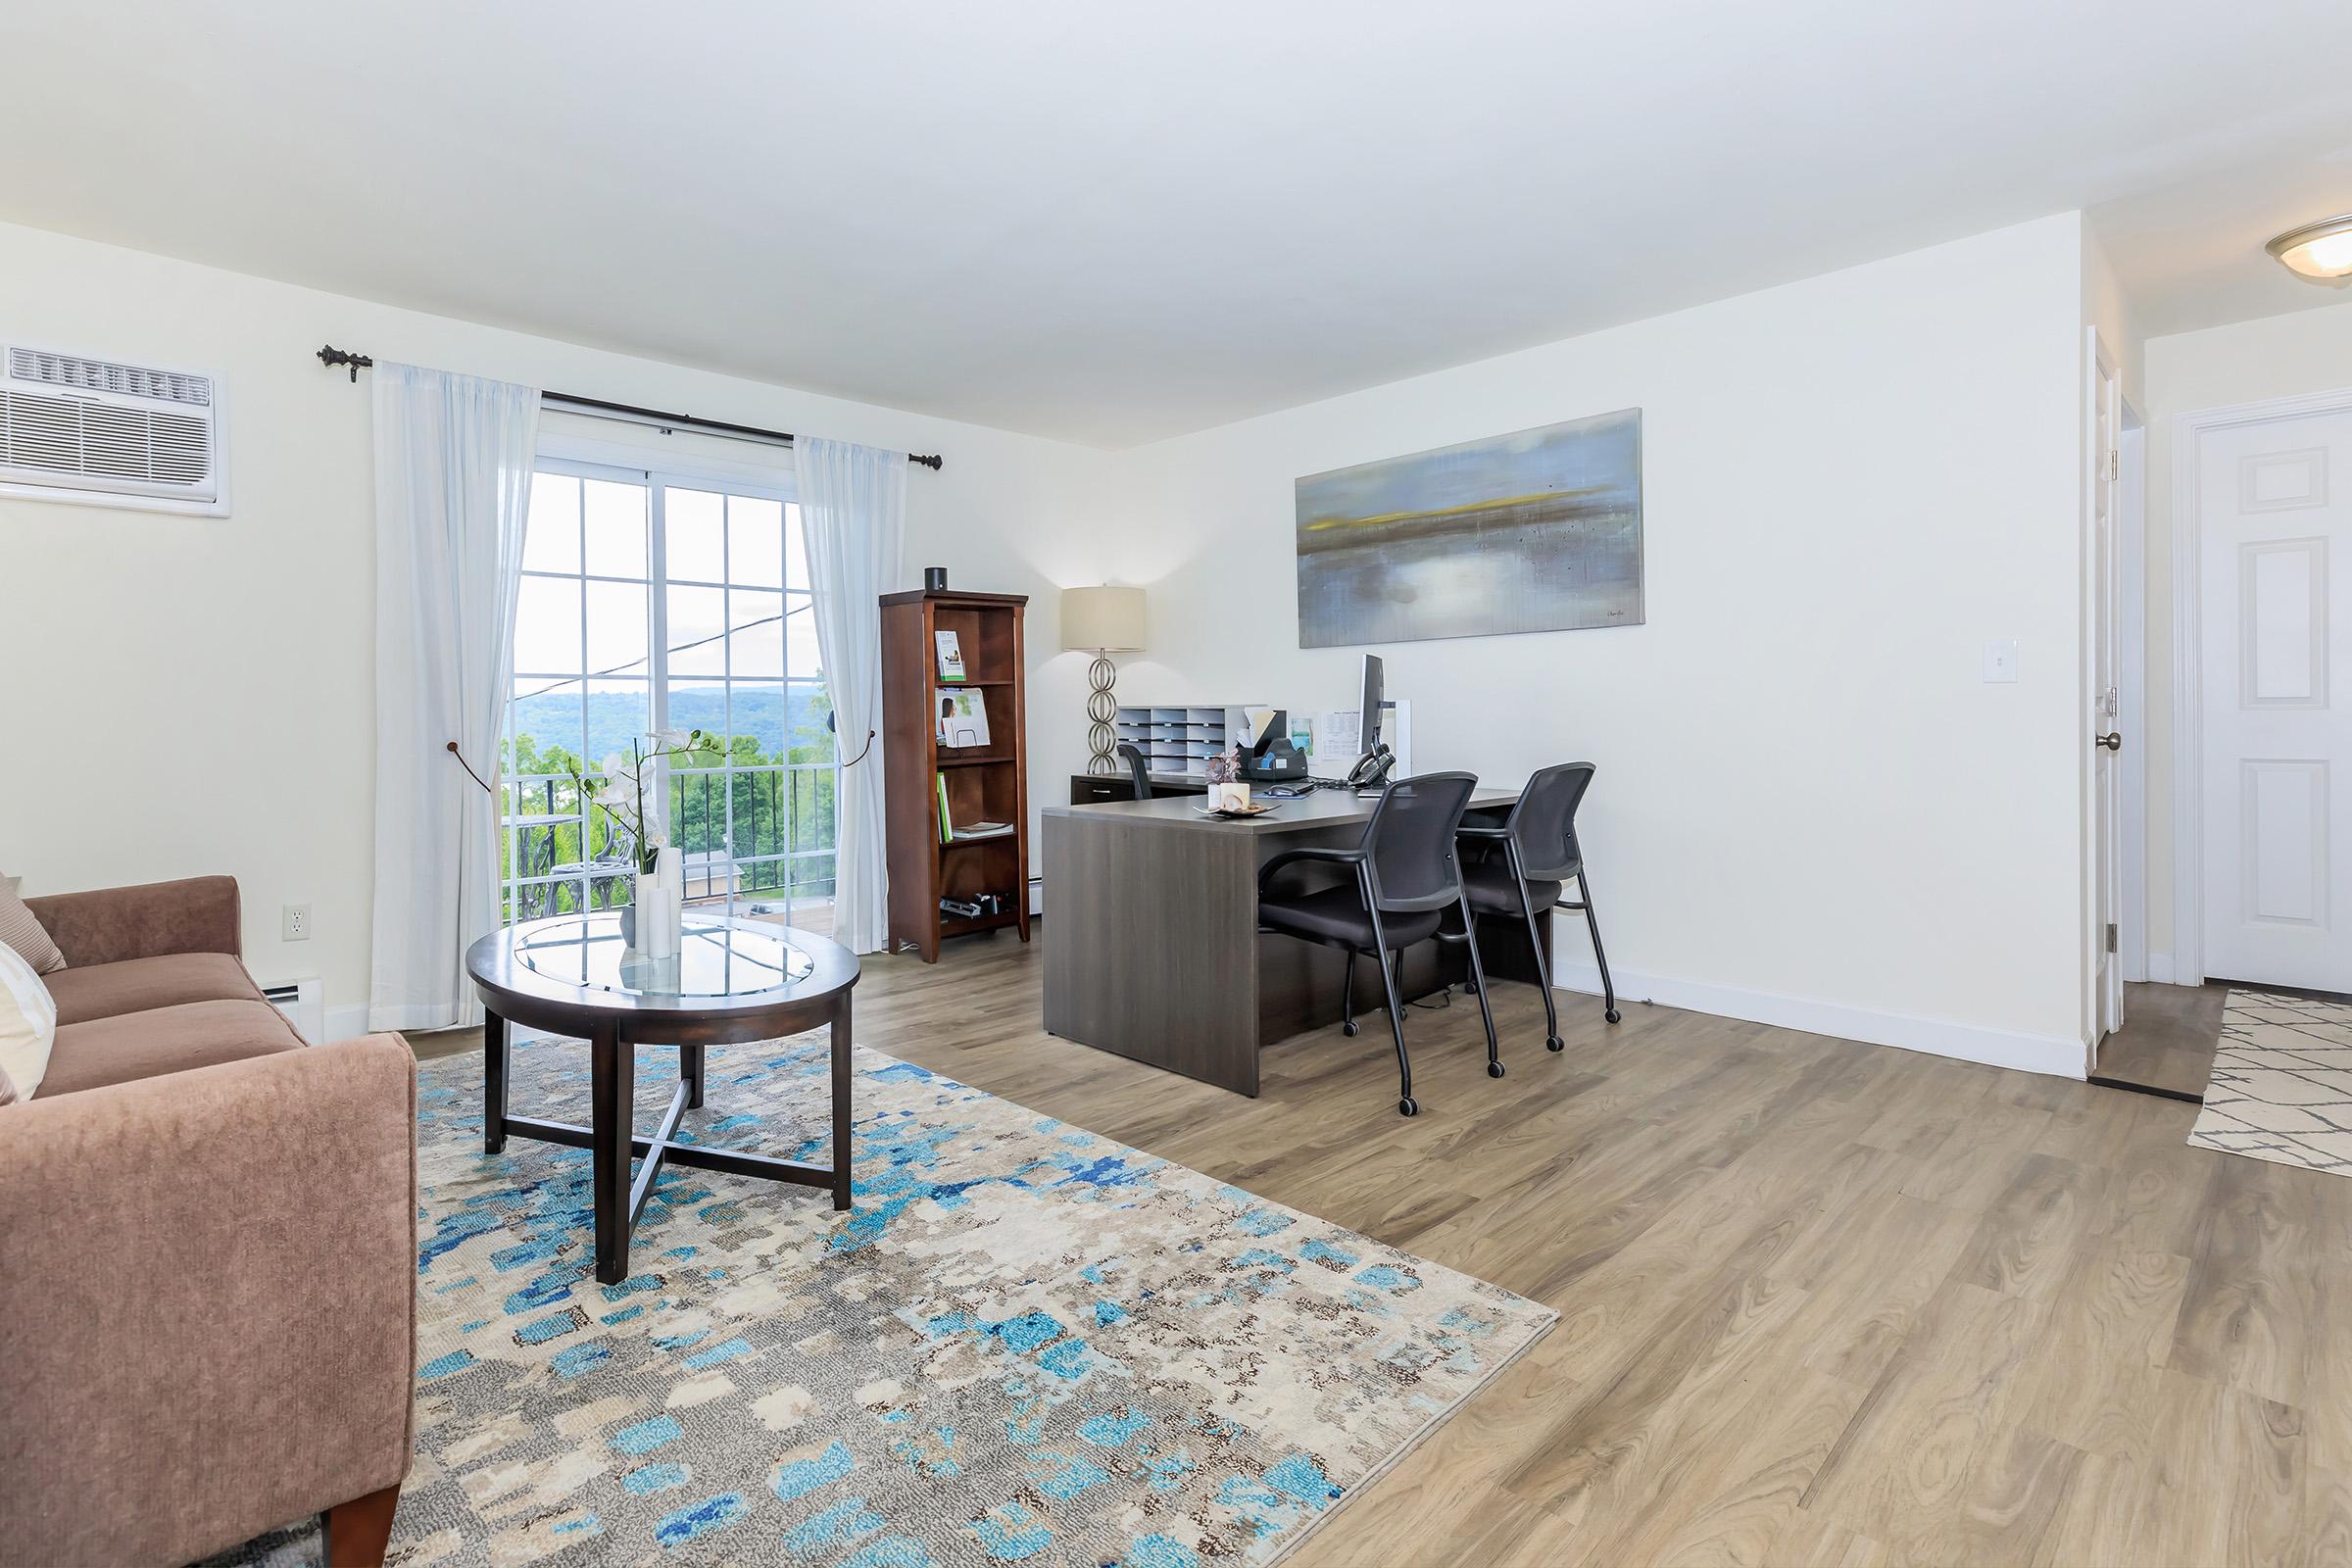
(1103, 620)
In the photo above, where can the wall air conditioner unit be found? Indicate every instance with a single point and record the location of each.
(105, 434)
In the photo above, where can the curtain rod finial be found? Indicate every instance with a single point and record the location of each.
(331, 356)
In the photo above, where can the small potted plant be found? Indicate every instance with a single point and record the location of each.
(656, 913)
(1228, 791)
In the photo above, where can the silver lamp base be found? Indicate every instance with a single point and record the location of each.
(1100, 708)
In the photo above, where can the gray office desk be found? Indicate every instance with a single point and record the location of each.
(1152, 944)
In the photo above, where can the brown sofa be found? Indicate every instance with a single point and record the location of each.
(207, 1241)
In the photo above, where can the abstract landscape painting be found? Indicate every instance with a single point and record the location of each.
(1535, 531)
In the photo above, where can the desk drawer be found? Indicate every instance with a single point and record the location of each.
(1090, 789)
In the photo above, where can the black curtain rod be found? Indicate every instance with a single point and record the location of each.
(332, 357)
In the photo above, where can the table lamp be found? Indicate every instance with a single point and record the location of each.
(1101, 622)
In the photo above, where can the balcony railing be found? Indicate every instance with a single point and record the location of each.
(745, 832)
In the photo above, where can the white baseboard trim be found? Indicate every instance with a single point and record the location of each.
(346, 1021)
(1936, 1037)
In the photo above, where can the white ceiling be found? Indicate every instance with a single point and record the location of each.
(1111, 222)
(2192, 252)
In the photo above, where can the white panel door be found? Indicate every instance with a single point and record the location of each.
(2275, 558)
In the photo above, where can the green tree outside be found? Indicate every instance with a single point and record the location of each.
(769, 794)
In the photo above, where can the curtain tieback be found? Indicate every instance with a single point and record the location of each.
(476, 777)
(860, 757)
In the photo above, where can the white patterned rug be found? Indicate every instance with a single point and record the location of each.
(2282, 1087)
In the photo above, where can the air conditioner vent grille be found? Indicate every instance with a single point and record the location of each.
(72, 438)
(103, 375)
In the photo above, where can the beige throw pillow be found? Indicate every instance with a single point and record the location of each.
(21, 931)
(28, 1023)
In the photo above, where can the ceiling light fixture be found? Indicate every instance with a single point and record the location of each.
(2320, 250)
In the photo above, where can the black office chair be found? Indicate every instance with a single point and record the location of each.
(1404, 878)
(1524, 866)
(1137, 772)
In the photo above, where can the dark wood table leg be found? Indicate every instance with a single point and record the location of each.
(494, 1084)
(841, 1103)
(612, 1093)
(691, 1068)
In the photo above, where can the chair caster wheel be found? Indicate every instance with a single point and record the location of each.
(1615, 1016)
(1408, 1107)
(1494, 1069)
(1349, 1029)
(1554, 1043)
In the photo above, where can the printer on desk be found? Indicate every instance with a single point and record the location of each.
(1263, 737)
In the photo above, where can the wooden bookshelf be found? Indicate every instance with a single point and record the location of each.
(985, 783)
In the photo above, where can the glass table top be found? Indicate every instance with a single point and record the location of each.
(714, 959)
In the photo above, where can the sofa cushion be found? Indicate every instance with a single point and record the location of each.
(136, 985)
(143, 1045)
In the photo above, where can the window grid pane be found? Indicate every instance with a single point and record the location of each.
(737, 659)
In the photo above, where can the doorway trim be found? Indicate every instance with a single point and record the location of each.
(2189, 655)
(2131, 571)
(2102, 807)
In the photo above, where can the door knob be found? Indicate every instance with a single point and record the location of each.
(2112, 741)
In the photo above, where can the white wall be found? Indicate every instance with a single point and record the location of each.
(2276, 357)
(2108, 308)
(195, 696)
(1810, 808)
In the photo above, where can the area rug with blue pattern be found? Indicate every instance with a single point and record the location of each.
(1024, 1344)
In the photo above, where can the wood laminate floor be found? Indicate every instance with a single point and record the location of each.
(2168, 1037)
(1821, 1303)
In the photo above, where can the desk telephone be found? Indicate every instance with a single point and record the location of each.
(1370, 775)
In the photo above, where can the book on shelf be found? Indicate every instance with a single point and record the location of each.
(951, 656)
(962, 717)
(950, 833)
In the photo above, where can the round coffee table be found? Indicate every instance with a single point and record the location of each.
(732, 981)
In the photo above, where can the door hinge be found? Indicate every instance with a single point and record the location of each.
(2114, 463)
(2111, 936)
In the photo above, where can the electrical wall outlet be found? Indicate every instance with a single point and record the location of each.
(297, 922)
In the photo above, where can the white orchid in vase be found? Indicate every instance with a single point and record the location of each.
(618, 787)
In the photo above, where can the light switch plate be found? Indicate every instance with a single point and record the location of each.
(2000, 660)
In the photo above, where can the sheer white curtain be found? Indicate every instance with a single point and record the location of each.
(453, 488)
(854, 517)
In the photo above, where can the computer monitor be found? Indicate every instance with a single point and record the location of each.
(1372, 767)
(1368, 708)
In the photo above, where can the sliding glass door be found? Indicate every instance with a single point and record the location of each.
(670, 602)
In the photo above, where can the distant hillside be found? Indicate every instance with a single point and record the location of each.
(773, 719)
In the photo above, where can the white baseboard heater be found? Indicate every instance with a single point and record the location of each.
(304, 1004)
